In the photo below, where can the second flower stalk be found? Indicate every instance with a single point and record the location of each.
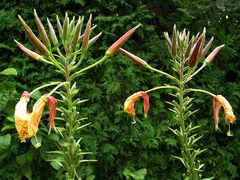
(186, 52)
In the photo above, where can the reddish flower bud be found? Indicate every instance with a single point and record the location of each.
(212, 55)
(199, 56)
(41, 30)
(194, 54)
(86, 35)
(115, 47)
(28, 51)
(77, 33)
(35, 41)
(207, 47)
(131, 56)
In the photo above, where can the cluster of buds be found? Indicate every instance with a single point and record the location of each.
(27, 123)
(70, 38)
(69, 33)
(193, 49)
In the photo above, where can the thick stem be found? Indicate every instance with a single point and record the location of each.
(186, 149)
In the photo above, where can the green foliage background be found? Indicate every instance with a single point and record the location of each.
(121, 148)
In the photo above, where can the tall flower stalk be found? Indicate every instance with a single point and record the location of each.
(65, 49)
(187, 53)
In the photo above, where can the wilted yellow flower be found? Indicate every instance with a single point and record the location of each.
(218, 102)
(27, 123)
(129, 103)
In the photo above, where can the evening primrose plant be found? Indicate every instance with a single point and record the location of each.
(188, 58)
(65, 49)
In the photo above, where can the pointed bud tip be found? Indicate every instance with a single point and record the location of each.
(116, 46)
(212, 55)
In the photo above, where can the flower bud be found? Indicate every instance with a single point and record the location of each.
(41, 29)
(115, 46)
(52, 33)
(59, 26)
(168, 41)
(77, 33)
(194, 54)
(174, 41)
(94, 39)
(207, 47)
(65, 27)
(199, 56)
(28, 51)
(131, 56)
(86, 35)
(35, 41)
(212, 55)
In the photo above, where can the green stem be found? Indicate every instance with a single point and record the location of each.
(202, 91)
(81, 58)
(161, 87)
(162, 73)
(58, 86)
(186, 148)
(196, 72)
(43, 86)
(55, 63)
(89, 67)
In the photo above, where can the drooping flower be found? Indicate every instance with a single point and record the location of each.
(129, 103)
(218, 102)
(27, 123)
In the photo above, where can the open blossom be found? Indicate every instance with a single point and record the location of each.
(27, 123)
(218, 102)
(129, 103)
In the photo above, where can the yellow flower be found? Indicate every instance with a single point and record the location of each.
(218, 102)
(27, 123)
(129, 103)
